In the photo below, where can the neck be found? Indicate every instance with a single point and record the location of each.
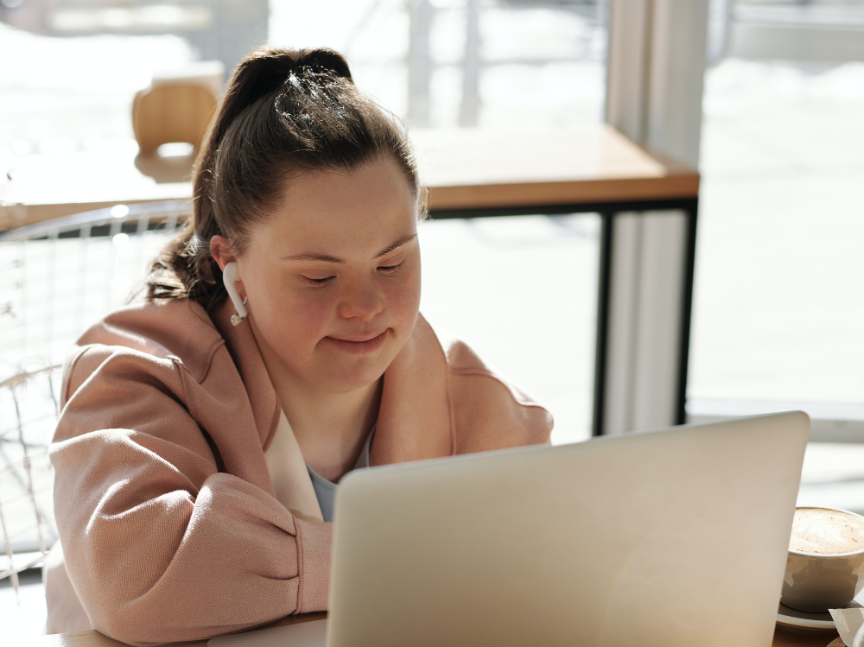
(331, 428)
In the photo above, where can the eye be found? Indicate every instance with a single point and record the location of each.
(390, 269)
(316, 281)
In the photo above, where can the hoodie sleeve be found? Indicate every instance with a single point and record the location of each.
(160, 545)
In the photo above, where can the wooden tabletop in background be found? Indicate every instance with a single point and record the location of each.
(463, 169)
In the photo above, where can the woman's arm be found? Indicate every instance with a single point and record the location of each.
(159, 544)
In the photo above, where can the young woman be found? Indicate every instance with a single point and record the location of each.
(280, 346)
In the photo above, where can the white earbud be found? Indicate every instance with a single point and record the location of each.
(229, 276)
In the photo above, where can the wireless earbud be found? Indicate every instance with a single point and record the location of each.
(229, 276)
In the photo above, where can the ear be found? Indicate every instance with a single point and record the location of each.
(220, 249)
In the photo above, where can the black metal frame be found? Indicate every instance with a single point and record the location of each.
(608, 211)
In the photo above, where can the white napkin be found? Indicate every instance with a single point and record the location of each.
(848, 623)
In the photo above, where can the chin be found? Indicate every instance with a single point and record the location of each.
(352, 378)
(341, 374)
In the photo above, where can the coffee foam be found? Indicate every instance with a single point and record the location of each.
(826, 532)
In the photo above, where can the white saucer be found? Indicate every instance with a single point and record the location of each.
(803, 620)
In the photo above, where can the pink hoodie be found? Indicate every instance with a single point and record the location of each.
(166, 511)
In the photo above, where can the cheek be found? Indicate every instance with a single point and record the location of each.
(404, 298)
(306, 314)
(284, 312)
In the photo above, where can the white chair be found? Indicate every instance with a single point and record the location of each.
(28, 415)
(60, 276)
(56, 278)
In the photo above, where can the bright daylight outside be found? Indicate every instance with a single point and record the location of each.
(778, 308)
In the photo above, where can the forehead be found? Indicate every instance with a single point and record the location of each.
(341, 211)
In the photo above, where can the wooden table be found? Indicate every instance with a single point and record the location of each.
(782, 637)
(469, 174)
(465, 170)
(473, 174)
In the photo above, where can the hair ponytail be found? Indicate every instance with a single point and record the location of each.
(284, 110)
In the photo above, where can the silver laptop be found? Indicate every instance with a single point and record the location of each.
(672, 537)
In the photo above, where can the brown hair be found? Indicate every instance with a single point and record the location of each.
(285, 112)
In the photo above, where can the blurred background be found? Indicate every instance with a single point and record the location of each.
(778, 318)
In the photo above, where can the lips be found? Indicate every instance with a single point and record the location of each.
(358, 345)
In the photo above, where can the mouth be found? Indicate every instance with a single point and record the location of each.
(358, 345)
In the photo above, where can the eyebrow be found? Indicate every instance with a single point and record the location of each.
(397, 243)
(312, 256)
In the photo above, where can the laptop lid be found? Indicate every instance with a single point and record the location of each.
(672, 537)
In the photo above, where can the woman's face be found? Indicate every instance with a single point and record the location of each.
(333, 278)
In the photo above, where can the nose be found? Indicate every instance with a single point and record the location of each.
(361, 300)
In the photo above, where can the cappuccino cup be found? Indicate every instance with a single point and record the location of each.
(825, 564)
